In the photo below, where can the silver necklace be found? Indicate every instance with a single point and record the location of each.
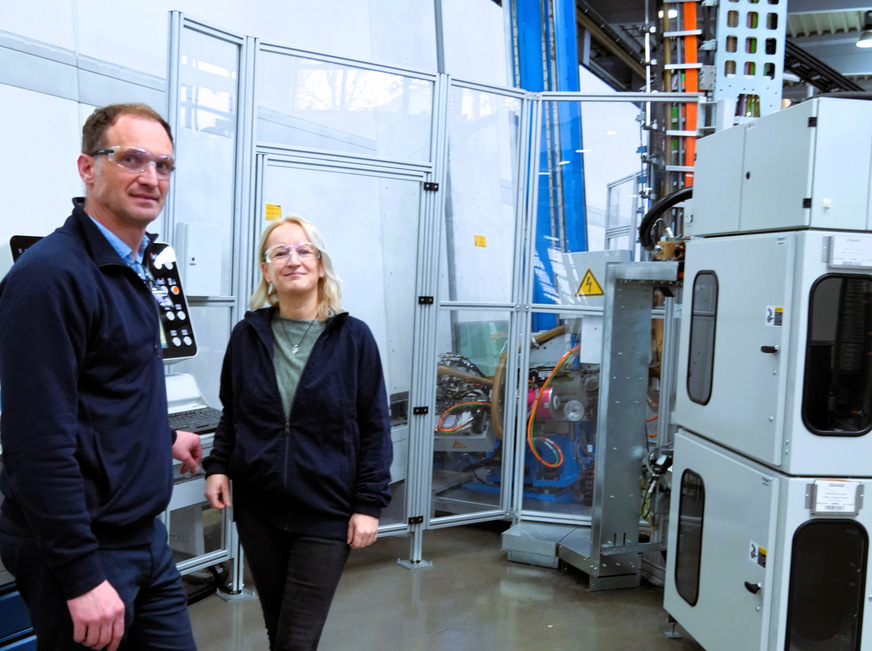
(296, 346)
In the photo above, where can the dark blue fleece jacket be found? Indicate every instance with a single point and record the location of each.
(87, 458)
(333, 458)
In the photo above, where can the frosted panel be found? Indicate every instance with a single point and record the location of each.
(479, 231)
(370, 225)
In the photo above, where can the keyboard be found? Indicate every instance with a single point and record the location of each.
(199, 421)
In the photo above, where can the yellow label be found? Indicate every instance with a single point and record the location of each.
(481, 240)
(273, 211)
(459, 446)
(589, 286)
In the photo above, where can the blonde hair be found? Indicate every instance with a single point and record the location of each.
(329, 286)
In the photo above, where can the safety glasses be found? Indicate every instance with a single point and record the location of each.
(137, 160)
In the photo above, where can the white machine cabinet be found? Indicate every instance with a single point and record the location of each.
(762, 560)
(776, 354)
(808, 166)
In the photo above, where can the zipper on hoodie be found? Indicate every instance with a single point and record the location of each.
(287, 447)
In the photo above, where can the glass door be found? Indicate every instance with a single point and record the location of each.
(479, 245)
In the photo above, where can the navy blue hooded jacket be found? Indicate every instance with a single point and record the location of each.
(332, 459)
(87, 446)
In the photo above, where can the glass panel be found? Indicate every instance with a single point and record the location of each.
(623, 202)
(620, 243)
(206, 141)
(479, 233)
(701, 351)
(467, 426)
(827, 583)
(327, 106)
(837, 396)
(560, 419)
(585, 147)
(688, 548)
(374, 255)
(196, 530)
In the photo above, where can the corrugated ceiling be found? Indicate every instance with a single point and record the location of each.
(824, 23)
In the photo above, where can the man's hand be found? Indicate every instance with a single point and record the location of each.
(362, 531)
(187, 449)
(218, 491)
(98, 617)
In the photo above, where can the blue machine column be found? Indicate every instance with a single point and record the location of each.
(546, 59)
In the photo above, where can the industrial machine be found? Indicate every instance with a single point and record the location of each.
(768, 523)
(561, 407)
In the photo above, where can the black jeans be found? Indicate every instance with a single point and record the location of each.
(295, 577)
(145, 576)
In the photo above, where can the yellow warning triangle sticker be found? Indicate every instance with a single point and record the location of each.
(589, 286)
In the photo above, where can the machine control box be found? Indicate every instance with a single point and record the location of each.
(177, 333)
(807, 166)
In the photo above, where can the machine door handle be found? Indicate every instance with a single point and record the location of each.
(769, 349)
(753, 588)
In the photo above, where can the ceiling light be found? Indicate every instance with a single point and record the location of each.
(866, 35)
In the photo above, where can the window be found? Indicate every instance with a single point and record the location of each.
(688, 550)
(827, 584)
(837, 391)
(703, 315)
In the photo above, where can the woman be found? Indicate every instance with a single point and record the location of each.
(304, 435)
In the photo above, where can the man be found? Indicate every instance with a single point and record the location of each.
(85, 433)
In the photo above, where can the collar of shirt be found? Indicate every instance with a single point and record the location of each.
(127, 254)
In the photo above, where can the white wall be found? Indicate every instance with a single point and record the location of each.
(41, 140)
(134, 34)
(475, 47)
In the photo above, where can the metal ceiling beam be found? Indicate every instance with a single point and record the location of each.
(839, 51)
(587, 18)
(814, 71)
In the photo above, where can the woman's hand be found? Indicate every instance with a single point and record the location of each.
(362, 530)
(218, 491)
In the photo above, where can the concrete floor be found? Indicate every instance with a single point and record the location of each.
(471, 598)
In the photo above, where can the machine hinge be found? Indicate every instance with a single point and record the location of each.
(806, 203)
(420, 411)
(417, 519)
(425, 300)
(812, 122)
(430, 186)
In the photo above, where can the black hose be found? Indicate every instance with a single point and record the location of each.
(660, 206)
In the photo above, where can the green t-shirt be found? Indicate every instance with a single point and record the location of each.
(293, 340)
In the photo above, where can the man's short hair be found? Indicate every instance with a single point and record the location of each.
(103, 118)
